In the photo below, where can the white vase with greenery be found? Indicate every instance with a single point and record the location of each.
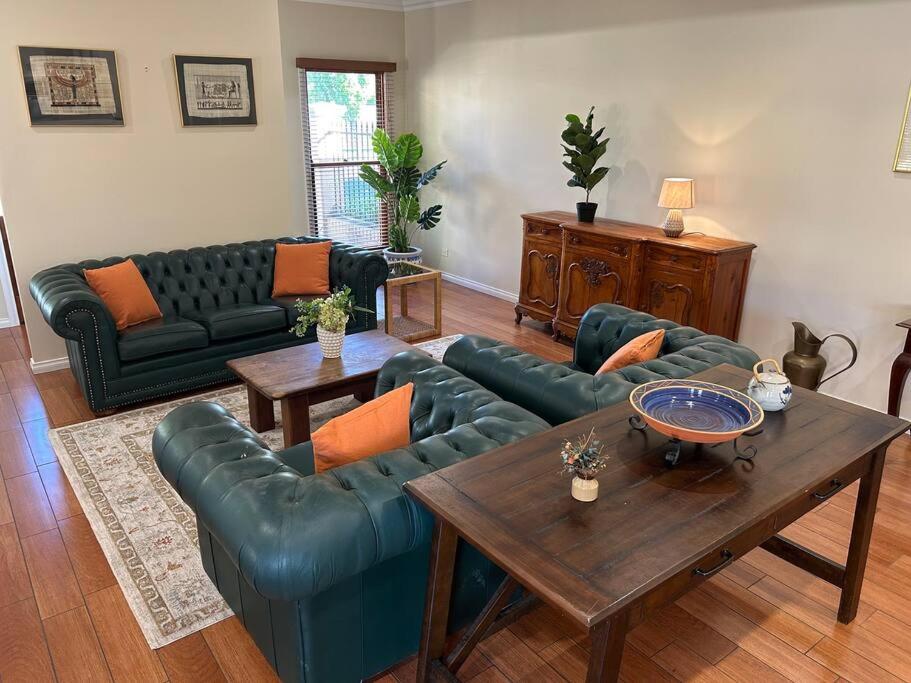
(330, 315)
(398, 187)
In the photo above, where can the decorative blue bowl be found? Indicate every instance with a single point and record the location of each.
(700, 412)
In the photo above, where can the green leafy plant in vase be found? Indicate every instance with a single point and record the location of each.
(330, 315)
(397, 186)
(582, 148)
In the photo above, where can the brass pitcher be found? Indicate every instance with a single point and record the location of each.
(804, 366)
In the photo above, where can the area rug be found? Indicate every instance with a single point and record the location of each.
(147, 533)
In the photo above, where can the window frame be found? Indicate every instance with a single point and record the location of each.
(377, 69)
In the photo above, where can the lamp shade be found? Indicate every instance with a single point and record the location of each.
(677, 193)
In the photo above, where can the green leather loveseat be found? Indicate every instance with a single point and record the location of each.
(560, 392)
(328, 571)
(217, 305)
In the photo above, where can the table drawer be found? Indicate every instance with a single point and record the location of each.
(543, 231)
(612, 245)
(675, 258)
(727, 553)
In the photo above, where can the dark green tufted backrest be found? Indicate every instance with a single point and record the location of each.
(204, 278)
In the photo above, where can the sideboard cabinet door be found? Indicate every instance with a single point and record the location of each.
(540, 273)
(674, 295)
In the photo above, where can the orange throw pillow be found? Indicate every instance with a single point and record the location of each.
(125, 294)
(377, 426)
(642, 348)
(301, 269)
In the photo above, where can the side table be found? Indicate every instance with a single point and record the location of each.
(900, 368)
(404, 276)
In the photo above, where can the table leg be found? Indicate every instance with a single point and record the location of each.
(439, 592)
(438, 304)
(900, 368)
(403, 300)
(365, 391)
(262, 416)
(387, 308)
(607, 639)
(864, 511)
(296, 419)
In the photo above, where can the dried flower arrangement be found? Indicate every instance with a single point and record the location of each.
(584, 457)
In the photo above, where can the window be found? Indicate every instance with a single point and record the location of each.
(342, 104)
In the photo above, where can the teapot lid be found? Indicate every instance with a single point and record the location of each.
(773, 378)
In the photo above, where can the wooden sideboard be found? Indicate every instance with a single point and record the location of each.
(568, 266)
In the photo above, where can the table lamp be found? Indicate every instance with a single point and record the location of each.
(676, 194)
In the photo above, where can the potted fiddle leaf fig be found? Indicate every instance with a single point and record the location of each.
(398, 187)
(582, 149)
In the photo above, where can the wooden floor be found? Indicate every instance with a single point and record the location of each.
(63, 616)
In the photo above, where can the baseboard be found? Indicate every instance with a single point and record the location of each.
(5, 322)
(49, 365)
(481, 287)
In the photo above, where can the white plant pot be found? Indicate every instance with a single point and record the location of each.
(330, 342)
(585, 490)
(416, 255)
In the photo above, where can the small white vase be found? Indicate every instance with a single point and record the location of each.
(585, 490)
(330, 342)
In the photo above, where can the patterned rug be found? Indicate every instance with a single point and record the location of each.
(147, 533)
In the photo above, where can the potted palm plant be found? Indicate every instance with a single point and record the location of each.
(330, 315)
(398, 187)
(583, 147)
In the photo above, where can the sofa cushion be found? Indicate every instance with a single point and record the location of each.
(164, 335)
(239, 320)
(124, 292)
(301, 269)
(287, 303)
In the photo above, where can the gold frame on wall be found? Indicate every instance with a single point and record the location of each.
(902, 162)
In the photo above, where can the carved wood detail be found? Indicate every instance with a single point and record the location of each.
(660, 289)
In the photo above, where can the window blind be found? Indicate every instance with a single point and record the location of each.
(342, 104)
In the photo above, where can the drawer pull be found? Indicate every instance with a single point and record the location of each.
(726, 558)
(836, 487)
(574, 239)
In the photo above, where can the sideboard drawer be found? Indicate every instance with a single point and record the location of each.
(543, 231)
(616, 247)
(675, 258)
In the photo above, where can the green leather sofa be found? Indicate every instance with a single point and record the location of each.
(559, 392)
(217, 305)
(327, 572)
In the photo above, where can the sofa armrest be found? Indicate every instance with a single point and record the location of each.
(293, 536)
(361, 270)
(69, 305)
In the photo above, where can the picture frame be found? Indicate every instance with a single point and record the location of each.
(71, 87)
(902, 162)
(215, 91)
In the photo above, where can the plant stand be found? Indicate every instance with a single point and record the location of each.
(404, 276)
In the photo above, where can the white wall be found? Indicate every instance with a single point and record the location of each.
(72, 193)
(332, 32)
(786, 112)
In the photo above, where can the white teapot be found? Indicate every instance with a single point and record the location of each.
(771, 390)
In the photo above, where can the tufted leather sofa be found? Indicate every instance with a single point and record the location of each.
(327, 572)
(217, 305)
(560, 392)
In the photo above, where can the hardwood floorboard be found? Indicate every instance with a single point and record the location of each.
(24, 656)
(760, 619)
(125, 648)
(53, 580)
(74, 647)
(31, 508)
(15, 454)
(189, 660)
(89, 563)
(14, 581)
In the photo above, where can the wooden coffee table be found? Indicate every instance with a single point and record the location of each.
(654, 533)
(299, 377)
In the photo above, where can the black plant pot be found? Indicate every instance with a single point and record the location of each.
(585, 212)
